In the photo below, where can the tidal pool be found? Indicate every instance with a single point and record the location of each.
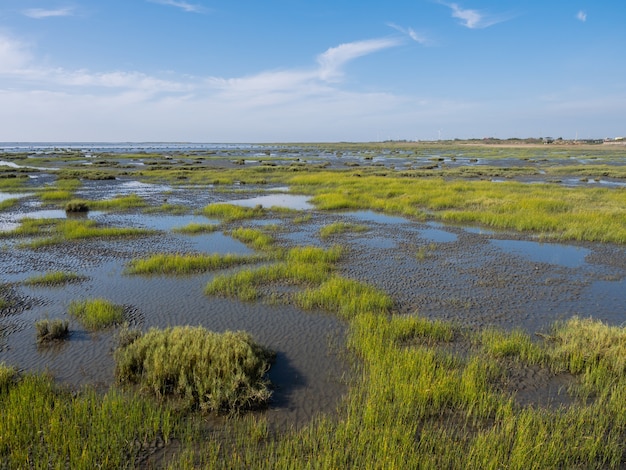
(553, 253)
(288, 201)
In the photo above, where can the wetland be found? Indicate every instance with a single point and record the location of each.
(411, 304)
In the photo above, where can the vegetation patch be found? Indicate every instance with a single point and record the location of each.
(341, 227)
(96, 314)
(207, 370)
(185, 264)
(54, 278)
(253, 238)
(51, 330)
(77, 205)
(230, 212)
(196, 228)
(132, 201)
(45, 426)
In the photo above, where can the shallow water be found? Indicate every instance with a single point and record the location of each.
(288, 201)
(553, 253)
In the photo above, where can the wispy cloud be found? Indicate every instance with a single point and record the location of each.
(13, 55)
(39, 13)
(473, 19)
(411, 33)
(331, 61)
(185, 6)
(582, 16)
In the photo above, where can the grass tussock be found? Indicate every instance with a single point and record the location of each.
(77, 206)
(51, 330)
(231, 212)
(131, 201)
(44, 426)
(54, 231)
(211, 371)
(163, 263)
(253, 238)
(345, 297)
(96, 314)
(338, 228)
(308, 266)
(196, 228)
(53, 278)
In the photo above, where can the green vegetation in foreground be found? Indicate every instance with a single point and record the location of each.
(53, 278)
(96, 314)
(45, 426)
(51, 330)
(339, 228)
(196, 228)
(231, 212)
(163, 263)
(203, 369)
(76, 205)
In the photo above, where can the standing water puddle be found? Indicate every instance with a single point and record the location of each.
(290, 201)
(562, 255)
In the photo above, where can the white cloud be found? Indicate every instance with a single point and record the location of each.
(13, 55)
(411, 33)
(473, 19)
(39, 13)
(333, 59)
(582, 16)
(185, 6)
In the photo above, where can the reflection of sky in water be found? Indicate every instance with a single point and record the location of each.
(371, 216)
(290, 201)
(7, 196)
(562, 255)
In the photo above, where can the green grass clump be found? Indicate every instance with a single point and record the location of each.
(46, 426)
(8, 203)
(196, 228)
(55, 195)
(7, 377)
(185, 264)
(56, 231)
(339, 228)
(51, 330)
(204, 369)
(253, 238)
(96, 314)
(77, 205)
(231, 212)
(515, 344)
(345, 297)
(132, 201)
(54, 278)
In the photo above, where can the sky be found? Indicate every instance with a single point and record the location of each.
(310, 71)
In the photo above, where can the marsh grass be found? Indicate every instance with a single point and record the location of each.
(131, 201)
(53, 231)
(341, 227)
(45, 426)
(206, 370)
(51, 330)
(55, 195)
(96, 314)
(8, 203)
(163, 263)
(77, 205)
(231, 212)
(53, 278)
(346, 298)
(196, 228)
(298, 266)
(254, 238)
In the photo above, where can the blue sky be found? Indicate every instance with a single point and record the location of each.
(295, 70)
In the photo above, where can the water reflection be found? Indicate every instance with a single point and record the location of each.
(552, 253)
